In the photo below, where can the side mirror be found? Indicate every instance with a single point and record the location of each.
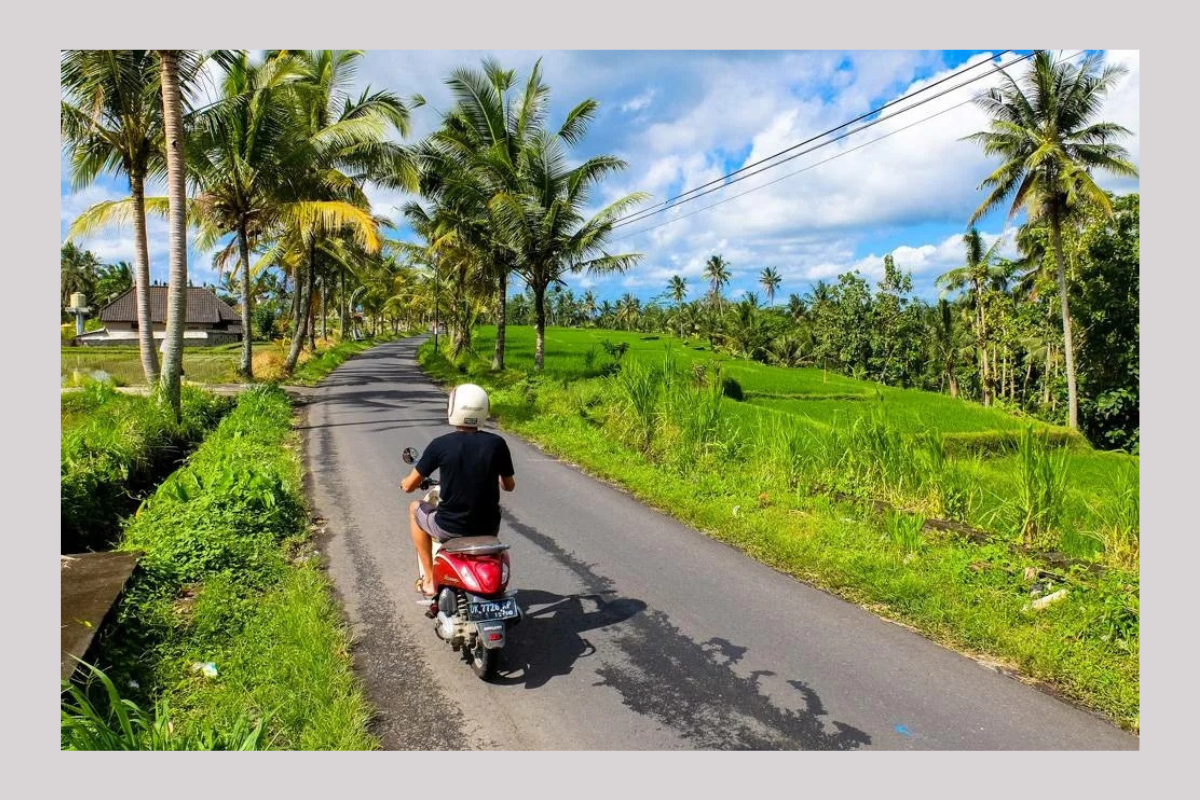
(409, 455)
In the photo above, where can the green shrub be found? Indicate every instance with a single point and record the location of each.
(639, 387)
(616, 351)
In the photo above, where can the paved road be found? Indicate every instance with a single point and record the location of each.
(641, 632)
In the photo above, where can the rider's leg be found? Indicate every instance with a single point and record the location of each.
(424, 544)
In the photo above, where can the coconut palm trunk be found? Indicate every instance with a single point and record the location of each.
(539, 309)
(311, 307)
(985, 374)
(141, 275)
(302, 292)
(246, 368)
(172, 367)
(501, 322)
(1068, 339)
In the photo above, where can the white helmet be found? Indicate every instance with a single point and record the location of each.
(468, 405)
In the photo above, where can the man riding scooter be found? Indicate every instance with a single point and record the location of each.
(474, 465)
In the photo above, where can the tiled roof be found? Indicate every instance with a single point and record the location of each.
(203, 306)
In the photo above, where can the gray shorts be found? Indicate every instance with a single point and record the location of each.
(427, 519)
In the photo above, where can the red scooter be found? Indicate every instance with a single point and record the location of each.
(471, 608)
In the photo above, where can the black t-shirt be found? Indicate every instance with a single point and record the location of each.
(471, 463)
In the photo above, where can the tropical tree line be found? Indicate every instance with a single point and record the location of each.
(994, 337)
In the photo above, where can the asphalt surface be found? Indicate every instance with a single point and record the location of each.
(641, 633)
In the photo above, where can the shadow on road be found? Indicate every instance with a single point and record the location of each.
(551, 638)
(659, 671)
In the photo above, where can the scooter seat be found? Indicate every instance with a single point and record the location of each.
(474, 545)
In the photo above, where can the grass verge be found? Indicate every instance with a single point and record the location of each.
(229, 621)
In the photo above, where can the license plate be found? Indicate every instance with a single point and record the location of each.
(487, 610)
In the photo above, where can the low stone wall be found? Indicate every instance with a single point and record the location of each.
(192, 339)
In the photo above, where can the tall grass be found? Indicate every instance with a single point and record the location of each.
(781, 452)
(1042, 487)
(905, 531)
(1120, 519)
(639, 387)
(95, 716)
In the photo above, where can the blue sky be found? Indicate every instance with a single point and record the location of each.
(683, 118)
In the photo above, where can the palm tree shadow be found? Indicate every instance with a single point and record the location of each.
(550, 639)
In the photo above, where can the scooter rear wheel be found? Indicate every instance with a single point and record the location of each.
(484, 661)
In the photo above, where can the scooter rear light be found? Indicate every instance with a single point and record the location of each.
(488, 574)
(493, 637)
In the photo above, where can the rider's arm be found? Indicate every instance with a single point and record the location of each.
(412, 482)
(424, 467)
(504, 466)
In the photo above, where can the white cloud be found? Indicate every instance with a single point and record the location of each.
(638, 103)
(813, 221)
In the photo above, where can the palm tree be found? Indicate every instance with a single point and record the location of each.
(480, 153)
(588, 306)
(453, 260)
(716, 271)
(172, 99)
(607, 312)
(1042, 130)
(77, 271)
(111, 121)
(944, 343)
(243, 150)
(629, 308)
(344, 144)
(677, 287)
(796, 308)
(282, 156)
(545, 224)
(770, 280)
(112, 281)
(976, 276)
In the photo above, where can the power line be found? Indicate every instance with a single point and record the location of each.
(793, 174)
(647, 213)
(831, 130)
(811, 166)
